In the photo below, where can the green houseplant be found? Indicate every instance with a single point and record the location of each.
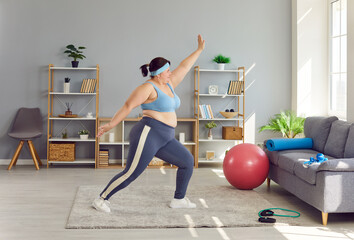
(209, 126)
(83, 134)
(221, 60)
(285, 122)
(75, 53)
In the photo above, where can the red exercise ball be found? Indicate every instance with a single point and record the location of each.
(246, 166)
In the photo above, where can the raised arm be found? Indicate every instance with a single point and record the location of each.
(180, 72)
(136, 98)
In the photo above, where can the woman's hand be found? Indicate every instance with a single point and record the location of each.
(103, 129)
(201, 43)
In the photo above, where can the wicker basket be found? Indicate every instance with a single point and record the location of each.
(62, 152)
(156, 162)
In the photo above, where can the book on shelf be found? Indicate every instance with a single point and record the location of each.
(88, 85)
(205, 111)
(104, 157)
(235, 88)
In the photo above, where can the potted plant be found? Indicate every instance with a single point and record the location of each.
(221, 61)
(285, 122)
(84, 134)
(210, 125)
(75, 53)
(64, 134)
(66, 85)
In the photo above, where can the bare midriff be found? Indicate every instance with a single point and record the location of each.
(169, 118)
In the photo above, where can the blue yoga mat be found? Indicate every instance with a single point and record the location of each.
(289, 143)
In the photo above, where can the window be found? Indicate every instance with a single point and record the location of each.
(338, 58)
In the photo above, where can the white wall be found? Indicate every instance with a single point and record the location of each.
(122, 35)
(309, 56)
(350, 67)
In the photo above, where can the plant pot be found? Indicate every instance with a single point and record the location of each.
(221, 66)
(84, 136)
(74, 64)
(66, 87)
(210, 135)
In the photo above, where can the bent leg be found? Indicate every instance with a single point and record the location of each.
(140, 154)
(175, 153)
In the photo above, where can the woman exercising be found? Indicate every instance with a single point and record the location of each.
(154, 134)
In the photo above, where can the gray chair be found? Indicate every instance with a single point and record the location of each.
(26, 126)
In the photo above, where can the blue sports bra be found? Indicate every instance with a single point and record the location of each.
(163, 102)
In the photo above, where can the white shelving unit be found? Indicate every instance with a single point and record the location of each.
(239, 120)
(121, 140)
(53, 119)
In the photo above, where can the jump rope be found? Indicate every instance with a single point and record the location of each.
(265, 213)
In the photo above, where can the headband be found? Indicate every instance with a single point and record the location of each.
(160, 70)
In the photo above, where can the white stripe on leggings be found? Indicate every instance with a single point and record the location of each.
(135, 162)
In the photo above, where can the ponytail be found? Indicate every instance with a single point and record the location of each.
(144, 70)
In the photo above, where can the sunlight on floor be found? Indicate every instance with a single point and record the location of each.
(219, 173)
(311, 233)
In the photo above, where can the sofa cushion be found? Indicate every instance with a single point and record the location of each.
(318, 128)
(349, 146)
(338, 165)
(287, 159)
(337, 138)
(308, 174)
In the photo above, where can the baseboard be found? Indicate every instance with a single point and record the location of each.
(27, 161)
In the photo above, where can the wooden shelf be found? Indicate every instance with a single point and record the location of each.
(120, 140)
(71, 140)
(216, 70)
(234, 100)
(73, 94)
(220, 119)
(77, 161)
(53, 119)
(73, 119)
(216, 160)
(218, 140)
(73, 69)
(218, 95)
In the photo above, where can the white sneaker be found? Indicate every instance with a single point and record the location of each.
(182, 203)
(101, 205)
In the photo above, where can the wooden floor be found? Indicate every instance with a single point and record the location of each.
(36, 204)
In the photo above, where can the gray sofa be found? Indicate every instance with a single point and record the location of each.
(328, 186)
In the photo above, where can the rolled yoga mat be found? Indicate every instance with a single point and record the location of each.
(289, 143)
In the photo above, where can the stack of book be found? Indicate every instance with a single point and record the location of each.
(235, 88)
(205, 111)
(104, 157)
(88, 85)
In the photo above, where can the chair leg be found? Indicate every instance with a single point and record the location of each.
(324, 218)
(15, 157)
(30, 145)
(36, 154)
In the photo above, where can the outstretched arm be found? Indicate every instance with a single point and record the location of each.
(138, 96)
(180, 72)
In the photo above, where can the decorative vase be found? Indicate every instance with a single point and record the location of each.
(221, 66)
(210, 135)
(111, 137)
(66, 87)
(68, 113)
(74, 64)
(84, 136)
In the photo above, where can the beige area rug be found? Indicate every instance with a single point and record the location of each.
(147, 207)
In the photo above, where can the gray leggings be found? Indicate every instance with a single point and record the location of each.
(149, 138)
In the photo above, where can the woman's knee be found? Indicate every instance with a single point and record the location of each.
(189, 161)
